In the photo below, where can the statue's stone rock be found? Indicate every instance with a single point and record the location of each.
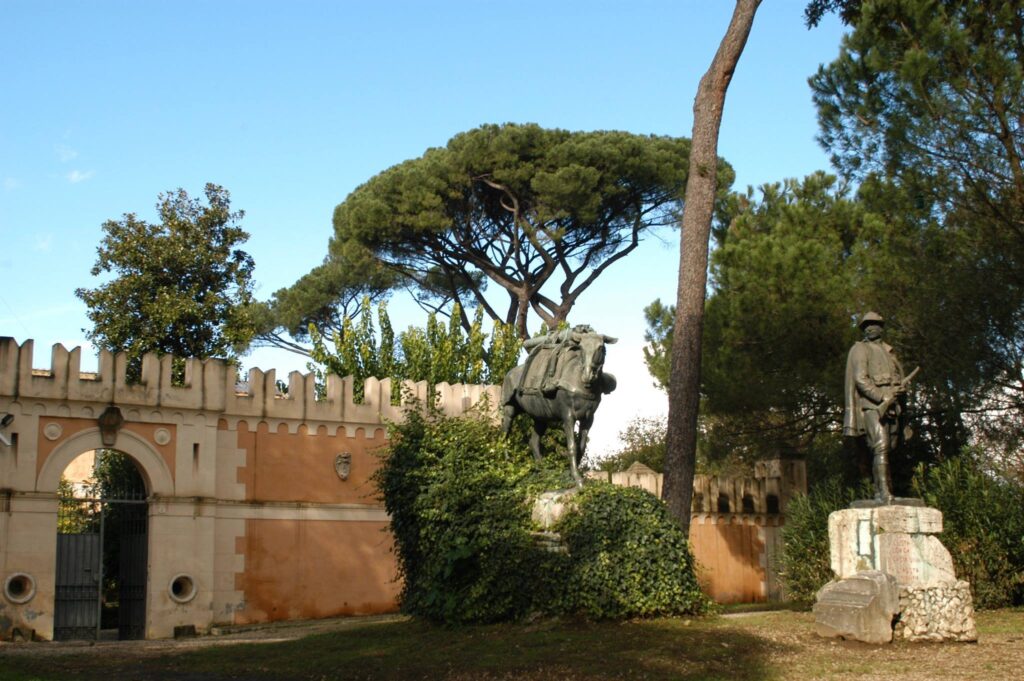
(936, 613)
(860, 607)
(899, 540)
(549, 507)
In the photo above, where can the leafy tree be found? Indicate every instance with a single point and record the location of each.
(642, 440)
(923, 106)
(322, 299)
(778, 324)
(539, 213)
(702, 190)
(182, 286)
(439, 353)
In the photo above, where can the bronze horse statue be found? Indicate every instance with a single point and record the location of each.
(571, 399)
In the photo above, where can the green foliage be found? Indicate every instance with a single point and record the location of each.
(923, 104)
(74, 516)
(660, 320)
(439, 353)
(523, 207)
(182, 286)
(456, 492)
(458, 496)
(982, 526)
(777, 324)
(643, 440)
(628, 557)
(806, 563)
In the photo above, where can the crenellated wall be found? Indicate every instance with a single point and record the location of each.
(246, 495)
(211, 386)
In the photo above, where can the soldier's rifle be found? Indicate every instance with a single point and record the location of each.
(886, 404)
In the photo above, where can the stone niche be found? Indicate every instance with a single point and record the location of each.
(899, 541)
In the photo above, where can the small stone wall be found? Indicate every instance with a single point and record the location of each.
(936, 613)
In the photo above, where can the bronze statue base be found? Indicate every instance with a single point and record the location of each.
(895, 501)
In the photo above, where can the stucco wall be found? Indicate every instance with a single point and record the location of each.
(244, 498)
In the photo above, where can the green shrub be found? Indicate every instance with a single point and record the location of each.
(983, 527)
(806, 563)
(459, 493)
(627, 557)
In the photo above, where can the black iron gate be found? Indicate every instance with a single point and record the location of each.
(101, 566)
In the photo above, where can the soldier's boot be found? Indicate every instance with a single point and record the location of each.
(881, 474)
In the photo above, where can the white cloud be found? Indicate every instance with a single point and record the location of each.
(65, 153)
(43, 243)
(11, 183)
(76, 176)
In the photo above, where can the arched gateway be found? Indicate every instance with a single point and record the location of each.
(258, 505)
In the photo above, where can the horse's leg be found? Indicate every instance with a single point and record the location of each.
(539, 427)
(584, 433)
(508, 415)
(569, 424)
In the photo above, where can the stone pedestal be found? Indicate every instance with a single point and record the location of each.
(549, 507)
(901, 541)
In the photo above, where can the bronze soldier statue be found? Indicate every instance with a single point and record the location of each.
(875, 386)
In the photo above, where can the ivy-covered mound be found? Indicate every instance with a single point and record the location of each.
(459, 496)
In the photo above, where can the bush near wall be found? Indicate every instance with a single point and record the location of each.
(459, 497)
(983, 526)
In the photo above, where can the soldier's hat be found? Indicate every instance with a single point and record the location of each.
(871, 317)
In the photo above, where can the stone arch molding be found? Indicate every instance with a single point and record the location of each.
(153, 467)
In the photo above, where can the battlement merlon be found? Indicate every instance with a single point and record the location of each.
(210, 385)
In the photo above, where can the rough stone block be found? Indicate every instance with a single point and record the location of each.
(915, 559)
(899, 540)
(937, 613)
(860, 607)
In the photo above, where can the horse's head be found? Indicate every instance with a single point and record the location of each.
(591, 347)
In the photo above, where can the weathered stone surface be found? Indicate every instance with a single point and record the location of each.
(549, 507)
(895, 539)
(937, 613)
(915, 559)
(860, 607)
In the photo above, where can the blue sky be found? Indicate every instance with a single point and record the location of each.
(290, 106)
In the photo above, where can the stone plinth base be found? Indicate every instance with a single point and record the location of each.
(937, 613)
(549, 507)
(858, 608)
(899, 540)
(901, 543)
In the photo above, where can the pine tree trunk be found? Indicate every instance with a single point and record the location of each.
(684, 381)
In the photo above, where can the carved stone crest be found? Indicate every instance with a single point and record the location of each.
(343, 465)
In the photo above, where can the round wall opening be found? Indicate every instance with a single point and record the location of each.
(19, 588)
(182, 588)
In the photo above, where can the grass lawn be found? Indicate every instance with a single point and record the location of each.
(746, 646)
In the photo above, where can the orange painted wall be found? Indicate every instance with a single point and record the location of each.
(729, 559)
(307, 569)
(283, 466)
